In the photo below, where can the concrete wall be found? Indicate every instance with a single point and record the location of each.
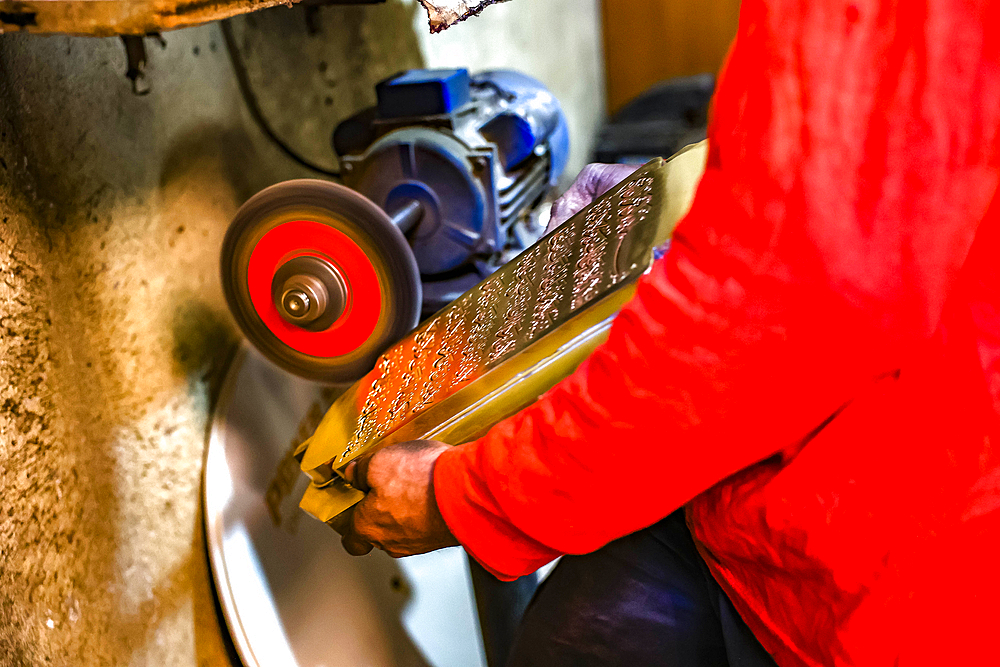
(113, 330)
(315, 67)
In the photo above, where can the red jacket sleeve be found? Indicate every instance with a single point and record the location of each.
(852, 156)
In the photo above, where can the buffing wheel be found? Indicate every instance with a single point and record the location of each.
(319, 279)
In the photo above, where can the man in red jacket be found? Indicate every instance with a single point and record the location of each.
(812, 372)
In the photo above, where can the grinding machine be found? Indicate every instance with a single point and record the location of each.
(436, 219)
(440, 185)
(503, 343)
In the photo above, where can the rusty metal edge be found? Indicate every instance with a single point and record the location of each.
(106, 18)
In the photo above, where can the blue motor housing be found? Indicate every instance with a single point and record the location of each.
(460, 163)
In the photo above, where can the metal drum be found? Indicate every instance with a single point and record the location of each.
(290, 595)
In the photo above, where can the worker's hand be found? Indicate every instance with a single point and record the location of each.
(399, 515)
(593, 181)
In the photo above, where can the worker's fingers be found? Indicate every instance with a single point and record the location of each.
(566, 207)
(353, 543)
(355, 546)
(594, 180)
(341, 523)
(356, 473)
(351, 473)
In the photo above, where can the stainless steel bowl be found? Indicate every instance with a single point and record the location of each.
(290, 595)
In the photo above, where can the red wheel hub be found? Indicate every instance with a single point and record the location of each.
(364, 294)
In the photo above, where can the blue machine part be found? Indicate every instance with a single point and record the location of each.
(460, 163)
(536, 115)
(431, 167)
(423, 92)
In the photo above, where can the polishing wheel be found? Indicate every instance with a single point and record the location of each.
(319, 279)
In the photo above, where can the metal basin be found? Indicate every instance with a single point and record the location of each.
(289, 593)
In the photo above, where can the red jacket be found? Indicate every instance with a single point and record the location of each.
(814, 367)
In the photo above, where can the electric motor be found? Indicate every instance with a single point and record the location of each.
(441, 181)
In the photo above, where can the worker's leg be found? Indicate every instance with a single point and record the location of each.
(645, 599)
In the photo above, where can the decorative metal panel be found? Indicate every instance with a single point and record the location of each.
(508, 340)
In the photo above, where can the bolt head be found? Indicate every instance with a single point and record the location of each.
(308, 293)
(296, 302)
(303, 299)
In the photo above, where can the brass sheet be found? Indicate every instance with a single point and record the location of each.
(508, 340)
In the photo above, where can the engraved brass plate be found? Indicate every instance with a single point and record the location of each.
(509, 339)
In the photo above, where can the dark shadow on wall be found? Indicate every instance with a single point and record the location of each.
(311, 67)
(204, 335)
(233, 157)
(204, 342)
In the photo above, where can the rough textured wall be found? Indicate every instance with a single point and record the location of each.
(113, 330)
(309, 88)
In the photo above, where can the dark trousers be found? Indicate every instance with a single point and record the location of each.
(646, 599)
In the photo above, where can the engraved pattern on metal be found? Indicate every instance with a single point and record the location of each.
(517, 307)
(555, 273)
(404, 394)
(636, 197)
(520, 303)
(415, 372)
(506, 341)
(485, 318)
(422, 354)
(368, 417)
(454, 339)
(589, 271)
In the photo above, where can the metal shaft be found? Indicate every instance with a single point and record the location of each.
(408, 215)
